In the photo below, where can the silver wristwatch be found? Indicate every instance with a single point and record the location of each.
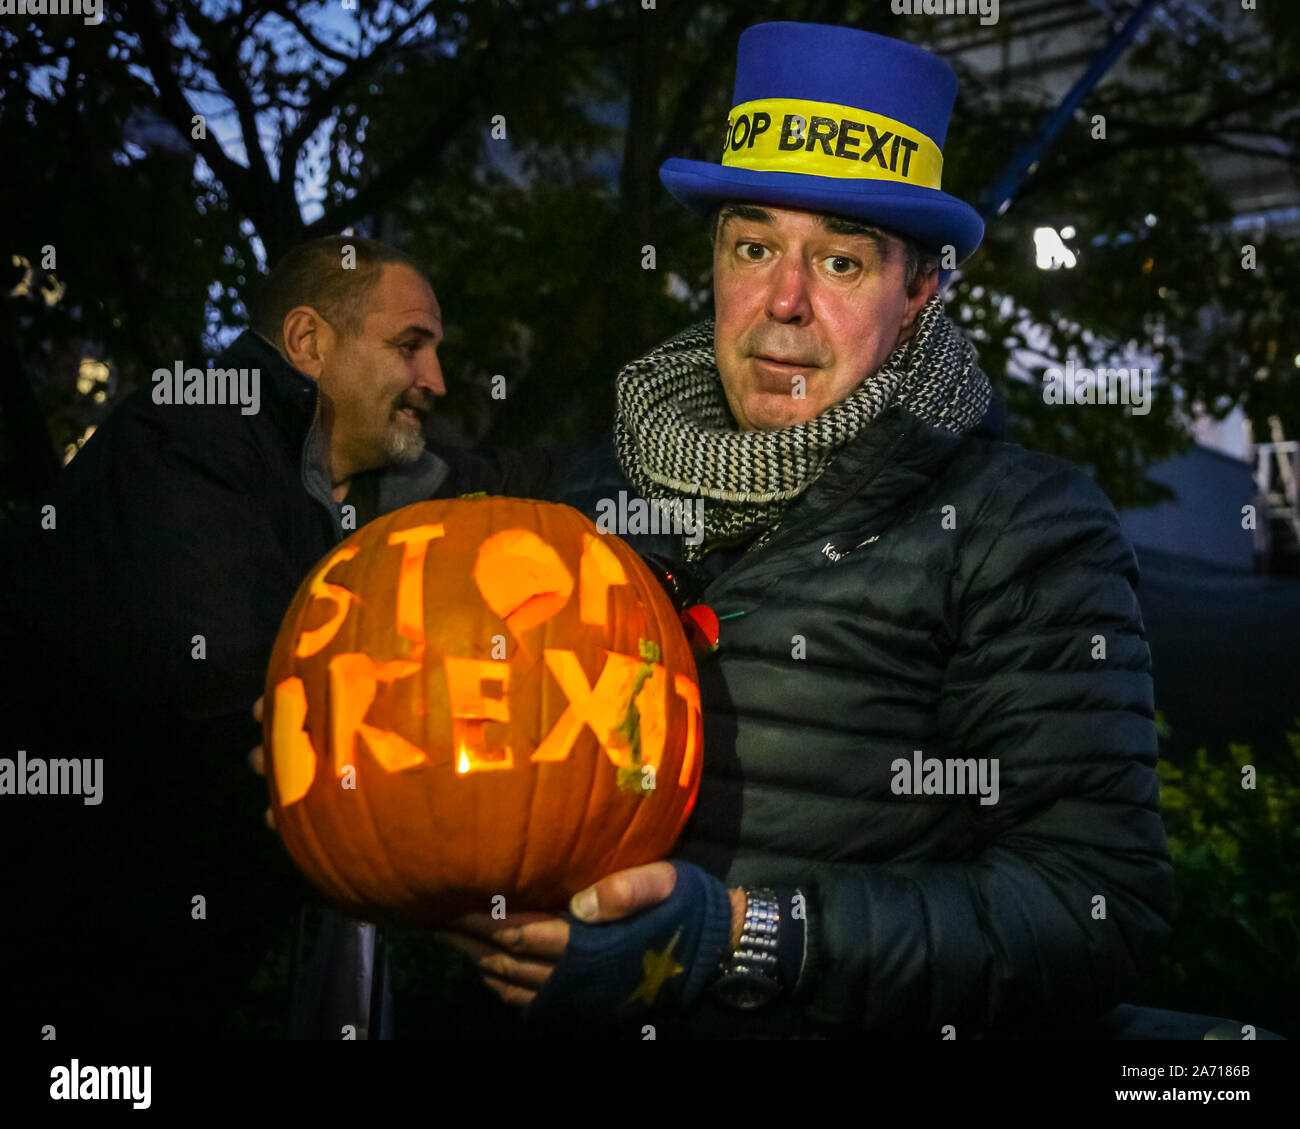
(750, 978)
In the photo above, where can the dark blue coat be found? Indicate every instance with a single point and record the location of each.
(173, 521)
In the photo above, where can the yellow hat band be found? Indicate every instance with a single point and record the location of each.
(823, 139)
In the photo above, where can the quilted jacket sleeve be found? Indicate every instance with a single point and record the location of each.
(1067, 894)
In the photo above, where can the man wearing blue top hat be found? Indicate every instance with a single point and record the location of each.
(929, 802)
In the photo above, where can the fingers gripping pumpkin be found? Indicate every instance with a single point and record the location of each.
(474, 697)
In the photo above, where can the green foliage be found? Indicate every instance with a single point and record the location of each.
(1235, 949)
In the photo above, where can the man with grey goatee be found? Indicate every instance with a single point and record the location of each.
(145, 592)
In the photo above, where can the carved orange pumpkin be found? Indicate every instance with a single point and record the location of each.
(478, 697)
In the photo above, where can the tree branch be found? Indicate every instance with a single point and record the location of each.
(176, 107)
(287, 12)
(418, 157)
(222, 52)
(1161, 138)
(694, 96)
(328, 96)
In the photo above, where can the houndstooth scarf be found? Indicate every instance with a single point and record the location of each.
(676, 437)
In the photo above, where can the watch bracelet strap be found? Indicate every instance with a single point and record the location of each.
(799, 952)
(797, 949)
(757, 950)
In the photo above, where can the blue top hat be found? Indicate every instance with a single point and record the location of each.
(837, 120)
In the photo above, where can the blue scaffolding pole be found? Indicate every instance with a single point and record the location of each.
(998, 198)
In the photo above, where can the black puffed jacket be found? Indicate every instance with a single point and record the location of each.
(968, 598)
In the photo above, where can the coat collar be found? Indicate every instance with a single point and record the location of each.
(288, 396)
(890, 458)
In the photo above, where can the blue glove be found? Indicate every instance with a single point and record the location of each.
(659, 959)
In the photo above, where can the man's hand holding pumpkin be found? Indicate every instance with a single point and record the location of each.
(519, 955)
(648, 938)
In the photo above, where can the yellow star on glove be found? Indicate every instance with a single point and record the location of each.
(659, 967)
